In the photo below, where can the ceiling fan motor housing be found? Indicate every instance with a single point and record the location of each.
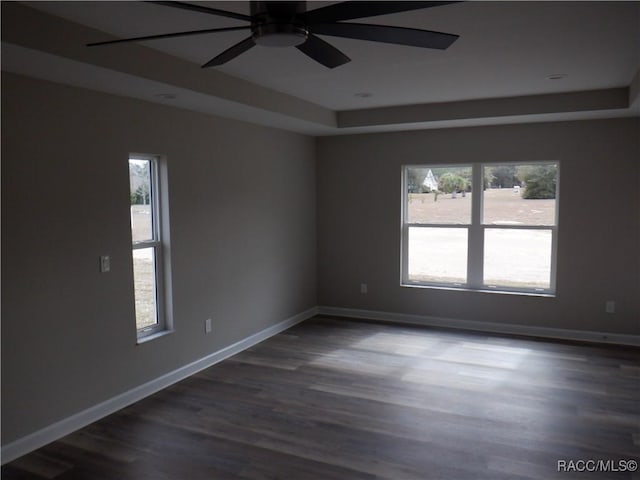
(275, 24)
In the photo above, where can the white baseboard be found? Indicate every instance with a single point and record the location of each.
(543, 332)
(53, 432)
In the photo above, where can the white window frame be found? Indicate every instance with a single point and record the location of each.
(476, 234)
(159, 244)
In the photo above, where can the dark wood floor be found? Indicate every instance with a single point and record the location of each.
(338, 399)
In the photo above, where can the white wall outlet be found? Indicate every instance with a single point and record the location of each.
(207, 325)
(610, 306)
(105, 263)
(364, 288)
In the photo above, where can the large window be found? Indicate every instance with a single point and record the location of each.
(480, 226)
(147, 246)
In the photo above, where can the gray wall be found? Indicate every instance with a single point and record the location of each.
(243, 235)
(359, 219)
(242, 207)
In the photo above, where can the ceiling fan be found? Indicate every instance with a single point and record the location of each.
(289, 24)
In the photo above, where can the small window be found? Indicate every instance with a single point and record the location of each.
(438, 217)
(519, 204)
(482, 227)
(147, 246)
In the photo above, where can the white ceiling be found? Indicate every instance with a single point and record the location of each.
(505, 49)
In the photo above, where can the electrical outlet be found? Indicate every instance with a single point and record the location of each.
(207, 325)
(610, 306)
(105, 263)
(363, 288)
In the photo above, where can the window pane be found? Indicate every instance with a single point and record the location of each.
(140, 194)
(439, 195)
(517, 258)
(519, 194)
(144, 279)
(437, 255)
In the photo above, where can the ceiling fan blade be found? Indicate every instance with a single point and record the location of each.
(358, 9)
(322, 52)
(231, 53)
(386, 34)
(201, 9)
(167, 35)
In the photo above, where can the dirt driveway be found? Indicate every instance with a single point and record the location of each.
(500, 206)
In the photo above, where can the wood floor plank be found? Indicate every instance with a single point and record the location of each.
(339, 399)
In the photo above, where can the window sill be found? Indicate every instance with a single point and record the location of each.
(480, 290)
(148, 338)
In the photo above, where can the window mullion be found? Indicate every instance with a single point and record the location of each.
(476, 231)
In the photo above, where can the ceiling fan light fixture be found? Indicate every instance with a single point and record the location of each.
(280, 35)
